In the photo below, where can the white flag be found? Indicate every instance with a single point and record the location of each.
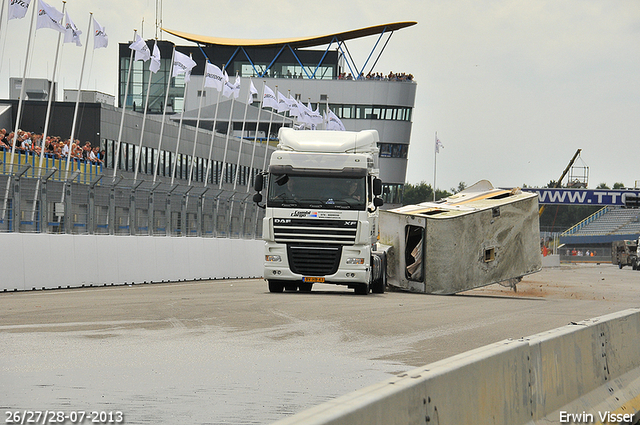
(231, 89)
(438, 145)
(283, 106)
(252, 91)
(236, 87)
(293, 107)
(304, 113)
(100, 38)
(154, 66)
(182, 64)
(269, 98)
(214, 77)
(142, 50)
(49, 17)
(72, 33)
(333, 122)
(227, 88)
(18, 8)
(316, 117)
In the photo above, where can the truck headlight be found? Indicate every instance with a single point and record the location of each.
(355, 260)
(272, 258)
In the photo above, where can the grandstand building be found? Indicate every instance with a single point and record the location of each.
(596, 233)
(324, 78)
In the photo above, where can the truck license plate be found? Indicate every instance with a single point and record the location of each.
(308, 279)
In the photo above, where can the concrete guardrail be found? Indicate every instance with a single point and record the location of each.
(47, 261)
(585, 372)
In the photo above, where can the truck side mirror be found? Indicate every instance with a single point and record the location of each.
(257, 198)
(378, 202)
(258, 183)
(377, 187)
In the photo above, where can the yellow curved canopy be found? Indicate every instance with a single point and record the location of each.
(297, 42)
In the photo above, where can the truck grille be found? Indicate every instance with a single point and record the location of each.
(315, 231)
(314, 260)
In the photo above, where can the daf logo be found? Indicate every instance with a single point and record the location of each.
(282, 220)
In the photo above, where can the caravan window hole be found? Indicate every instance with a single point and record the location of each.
(489, 255)
(414, 236)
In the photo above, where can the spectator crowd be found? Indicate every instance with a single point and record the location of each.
(54, 147)
(378, 76)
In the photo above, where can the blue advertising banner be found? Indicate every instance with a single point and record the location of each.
(586, 196)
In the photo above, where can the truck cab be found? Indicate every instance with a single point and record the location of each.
(321, 211)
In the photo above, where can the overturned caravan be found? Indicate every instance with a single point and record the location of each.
(474, 238)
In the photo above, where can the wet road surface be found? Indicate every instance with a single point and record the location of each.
(229, 352)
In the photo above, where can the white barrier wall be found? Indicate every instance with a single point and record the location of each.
(586, 368)
(42, 261)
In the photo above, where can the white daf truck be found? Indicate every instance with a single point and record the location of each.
(321, 200)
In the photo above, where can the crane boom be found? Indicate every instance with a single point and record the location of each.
(564, 173)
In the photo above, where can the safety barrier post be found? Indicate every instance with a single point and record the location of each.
(112, 206)
(152, 217)
(201, 213)
(183, 212)
(17, 209)
(168, 209)
(91, 222)
(44, 210)
(229, 217)
(133, 213)
(68, 225)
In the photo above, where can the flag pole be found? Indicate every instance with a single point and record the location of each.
(435, 158)
(195, 138)
(75, 113)
(289, 106)
(144, 119)
(46, 120)
(213, 131)
(19, 111)
(326, 124)
(226, 142)
(255, 138)
(23, 87)
(164, 113)
(175, 159)
(49, 101)
(266, 144)
(244, 121)
(116, 158)
(284, 118)
(4, 5)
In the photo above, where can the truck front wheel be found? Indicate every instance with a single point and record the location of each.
(276, 286)
(379, 274)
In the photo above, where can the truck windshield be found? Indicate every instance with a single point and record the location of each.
(328, 192)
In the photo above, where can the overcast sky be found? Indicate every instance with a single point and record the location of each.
(512, 87)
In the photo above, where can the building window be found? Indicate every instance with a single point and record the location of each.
(393, 150)
(391, 113)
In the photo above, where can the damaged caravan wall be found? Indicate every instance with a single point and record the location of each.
(474, 238)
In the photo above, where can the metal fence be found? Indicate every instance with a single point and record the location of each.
(585, 254)
(56, 201)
